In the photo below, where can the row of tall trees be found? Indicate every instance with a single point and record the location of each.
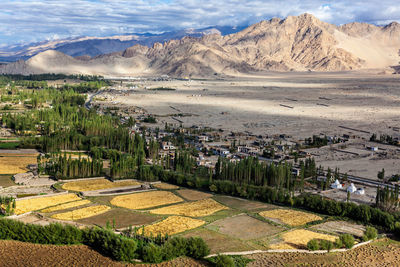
(254, 172)
(63, 166)
(387, 198)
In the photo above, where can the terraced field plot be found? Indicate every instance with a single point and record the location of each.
(172, 225)
(219, 242)
(193, 195)
(165, 186)
(96, 184)
(290, 217)
(376, 254)
(145, 200)
(5, 180)
(122, 217)
(81, 213)
(244, 227)
(39, 203)
(198, 208)
(16, 163)
(298, 239)
(341, 227)
(242, 204)
(67, 206)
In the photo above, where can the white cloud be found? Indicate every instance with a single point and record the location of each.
(27, 20)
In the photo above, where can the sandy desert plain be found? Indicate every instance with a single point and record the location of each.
(296, 104)
(321, 102)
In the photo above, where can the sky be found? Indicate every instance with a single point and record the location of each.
(25, 21)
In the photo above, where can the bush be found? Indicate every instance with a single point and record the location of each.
(110, 244)
(325, 245)
(197, 248)
(370, 233)
(224, 261)
(152, 253)
(174, 247)
(313, 245)
(338, 243)
(347, 240)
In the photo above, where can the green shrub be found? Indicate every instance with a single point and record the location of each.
(313, 245)
(110, 244)
(338, 243)
(197, 248)
(347, 240)
(224, 261)
(174, 247)
(152, 253)
(325, 245)
(370, 233)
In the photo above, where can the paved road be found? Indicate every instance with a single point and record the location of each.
(90, 98)
(368, 181)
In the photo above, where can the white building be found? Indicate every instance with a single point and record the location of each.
(167, 146)
(336, 185)
(351, 188)
(360, 191)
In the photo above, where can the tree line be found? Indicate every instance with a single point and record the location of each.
(118, 247)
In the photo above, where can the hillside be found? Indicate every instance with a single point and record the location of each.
(297, 43)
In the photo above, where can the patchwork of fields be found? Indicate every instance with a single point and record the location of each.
(226, 223)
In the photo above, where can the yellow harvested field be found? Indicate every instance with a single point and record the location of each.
(67, 205)
(298, 239)
(145, 200)
(165, 186)
(290, 217)
(81, 213)
(16, 164)
(172, 225)
(199, 208)
(193, 194)
(26, 205)
(96, 184)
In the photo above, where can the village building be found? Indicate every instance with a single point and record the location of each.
(351, 188)
(336, 185)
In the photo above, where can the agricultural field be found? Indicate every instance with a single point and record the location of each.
(123, 218)
(198, 208)
(243, 204)
(341, 227)
(15, 253)
(193, 195)
(298, 239)
(244, 227)
(382, 252)
(16, 163)
(6, 181)
(290, 217)
(68, 205)
(172, 225)
(39, 203)
(165, 186)
(218, 242)
(96, 184)
(145, 200)
(81, 213)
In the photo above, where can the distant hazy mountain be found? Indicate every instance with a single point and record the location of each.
(95, 46)
(297, 43)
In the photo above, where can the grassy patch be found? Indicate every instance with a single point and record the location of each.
(9, 145)
(6, 181)
(122, 218)
(218, 242)
(220, 215)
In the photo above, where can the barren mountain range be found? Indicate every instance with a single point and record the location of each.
(297, 43)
